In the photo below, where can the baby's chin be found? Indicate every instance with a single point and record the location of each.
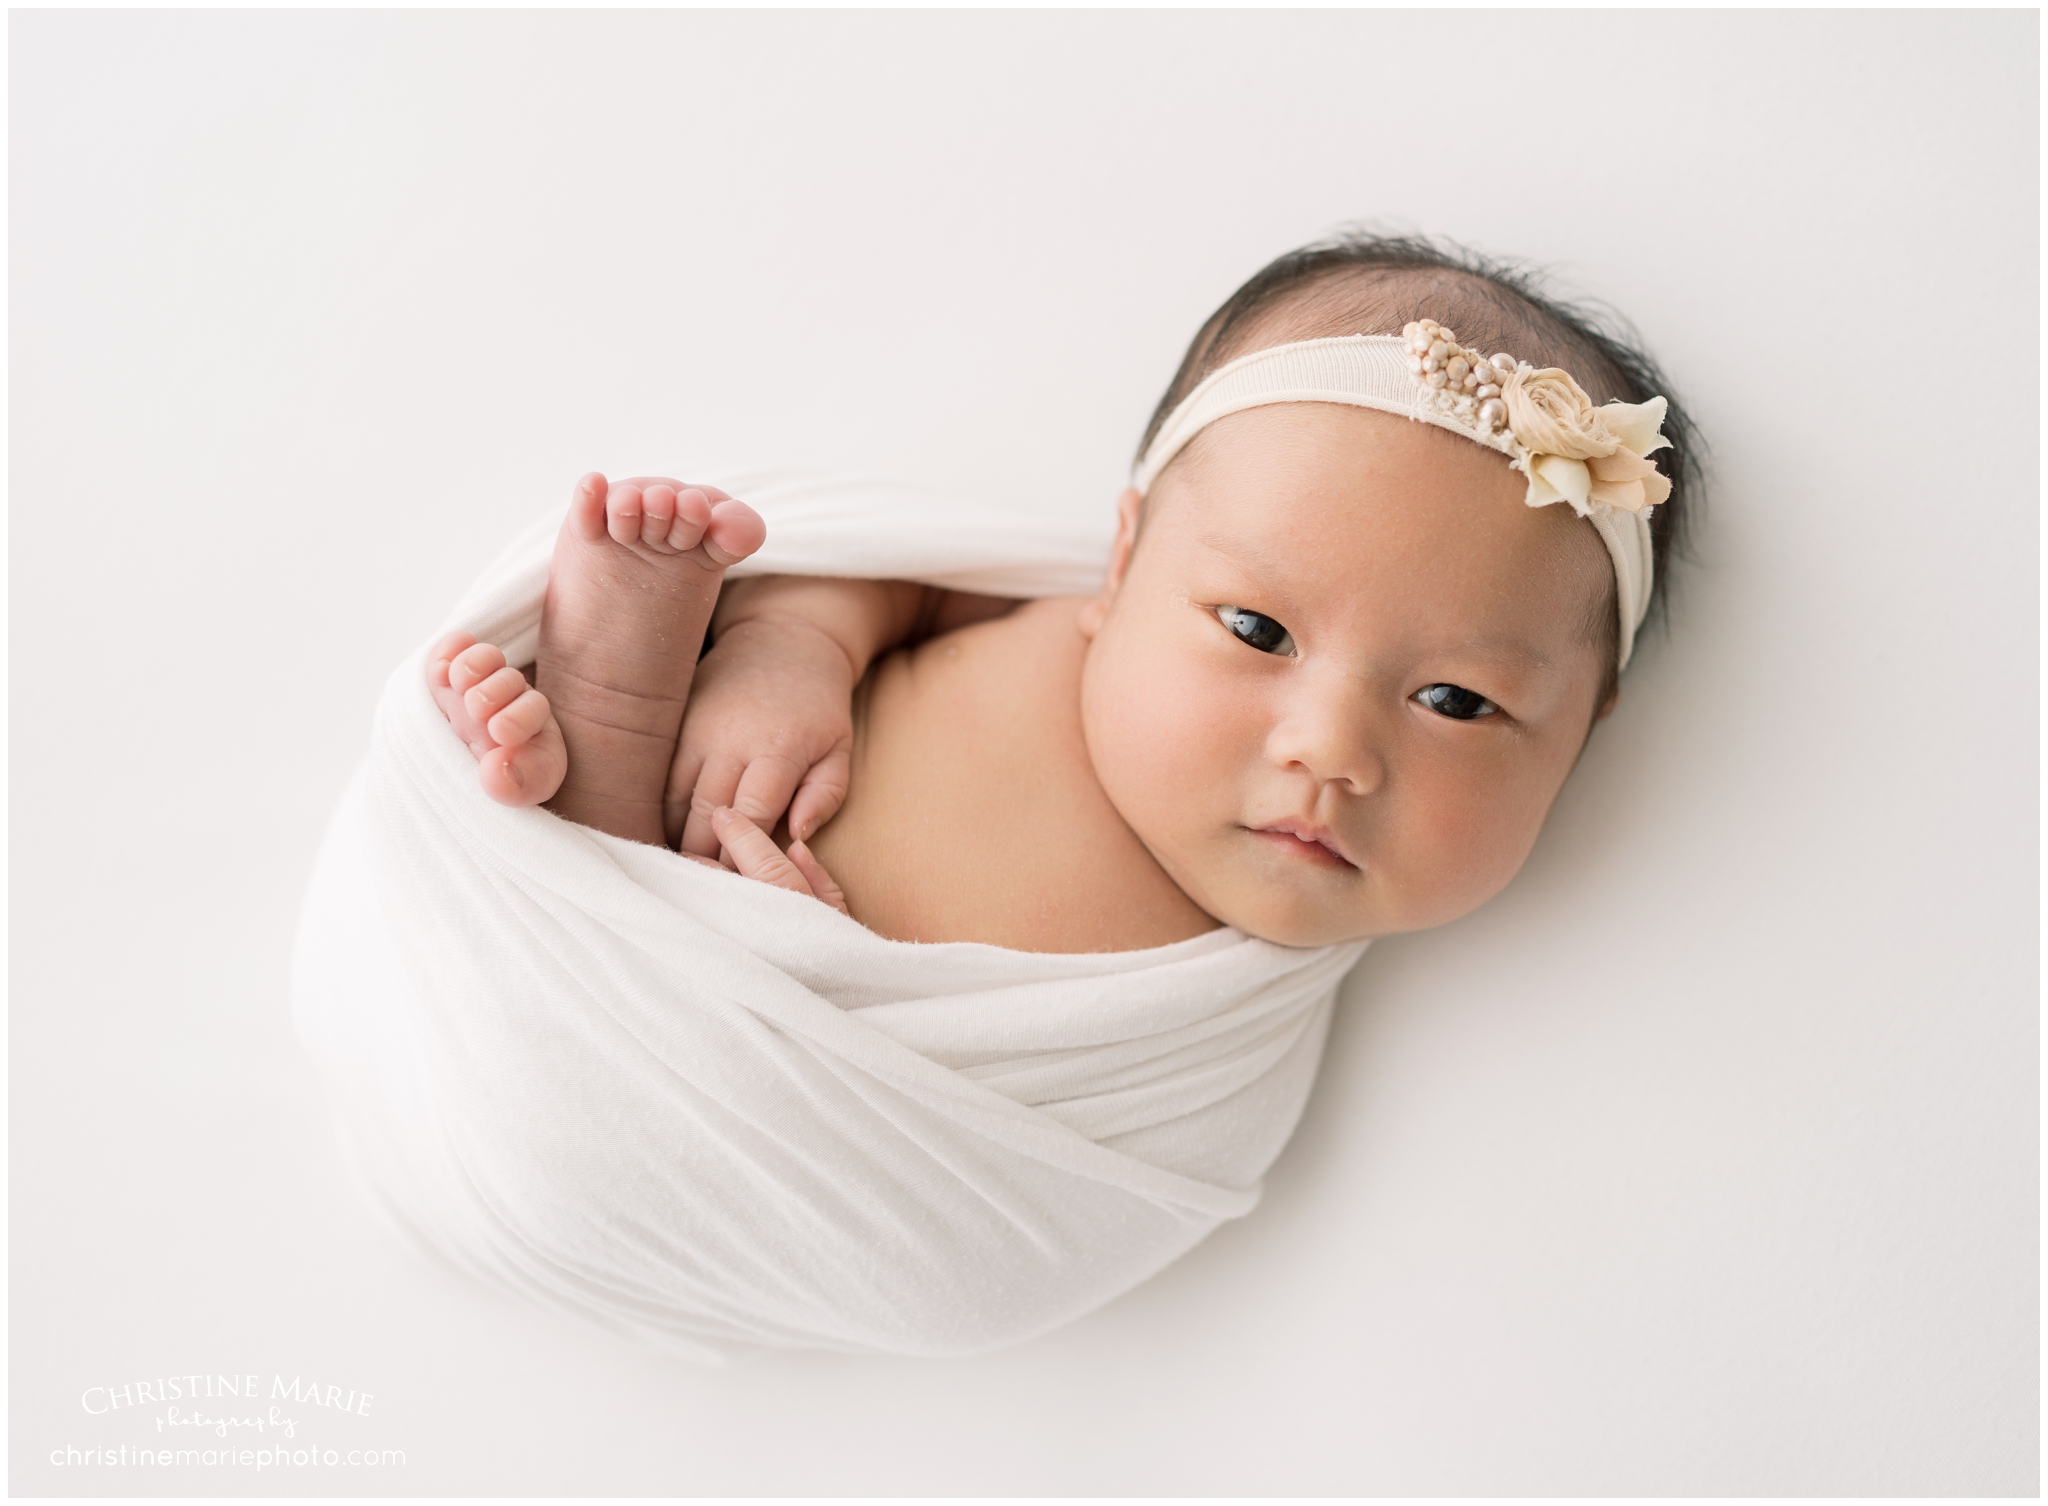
(1295, 926)
(1300, 906)
(1302, 910)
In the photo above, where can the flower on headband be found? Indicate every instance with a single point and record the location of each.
(1582, 454)
(1551, 414)
(1570, 450)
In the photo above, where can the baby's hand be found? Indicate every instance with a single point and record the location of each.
(769, 728)
(755, 856)
(519, 751)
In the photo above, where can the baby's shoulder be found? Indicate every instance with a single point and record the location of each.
(972, 792)
(1007, 663)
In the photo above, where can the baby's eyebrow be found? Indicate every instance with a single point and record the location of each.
(1509, 651)
(1244, 551)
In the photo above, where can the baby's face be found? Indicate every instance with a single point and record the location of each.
(1339, 683)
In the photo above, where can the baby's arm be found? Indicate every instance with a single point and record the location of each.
(769, 725)
(521, 758)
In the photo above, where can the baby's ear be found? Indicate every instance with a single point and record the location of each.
(1129, 507)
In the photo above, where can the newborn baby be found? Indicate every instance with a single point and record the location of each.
(1340, 664)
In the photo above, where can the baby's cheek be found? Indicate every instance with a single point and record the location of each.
(1160, 738)
(1466, 839)
(1149, 735)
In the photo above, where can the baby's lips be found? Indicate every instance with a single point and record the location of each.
(1311, 836)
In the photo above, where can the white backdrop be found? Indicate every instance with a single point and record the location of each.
(1703, 1160)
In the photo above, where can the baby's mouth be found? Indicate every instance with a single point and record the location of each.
(1312, 844)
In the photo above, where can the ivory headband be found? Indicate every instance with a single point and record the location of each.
(1596, 459)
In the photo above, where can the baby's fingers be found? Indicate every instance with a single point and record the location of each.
(822, 792)
(823, 885)
(764, 790)
(755, 855)
(675, 801)
(711, 788)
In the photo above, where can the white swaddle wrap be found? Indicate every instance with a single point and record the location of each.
(707, 1112)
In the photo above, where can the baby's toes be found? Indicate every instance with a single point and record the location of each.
(521, 721)
(527, 774)
(448, 677)
(623, 513)
(586, 507)
(493, 694)
(693, 516)
(473, 666)
(657, 515)
(735, 531)
(464, 725)
(442, 654)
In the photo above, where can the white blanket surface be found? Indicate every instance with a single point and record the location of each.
(713, 1114)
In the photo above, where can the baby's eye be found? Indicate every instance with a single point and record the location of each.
(1455, 702)
(1257, 629)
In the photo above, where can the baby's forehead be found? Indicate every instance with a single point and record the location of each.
(1319, 501)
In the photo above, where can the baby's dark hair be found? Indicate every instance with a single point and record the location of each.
(1358, 283)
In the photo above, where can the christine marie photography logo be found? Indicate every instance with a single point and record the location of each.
(247, 1420)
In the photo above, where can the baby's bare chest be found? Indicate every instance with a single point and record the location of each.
(974, 813)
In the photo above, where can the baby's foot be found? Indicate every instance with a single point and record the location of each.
(518, 745)
(635, 576)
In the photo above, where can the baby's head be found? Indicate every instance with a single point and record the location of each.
(1343, 661)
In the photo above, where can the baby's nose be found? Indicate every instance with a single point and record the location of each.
(1331, 732)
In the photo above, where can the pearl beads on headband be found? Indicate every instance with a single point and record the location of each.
(1461, 380)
